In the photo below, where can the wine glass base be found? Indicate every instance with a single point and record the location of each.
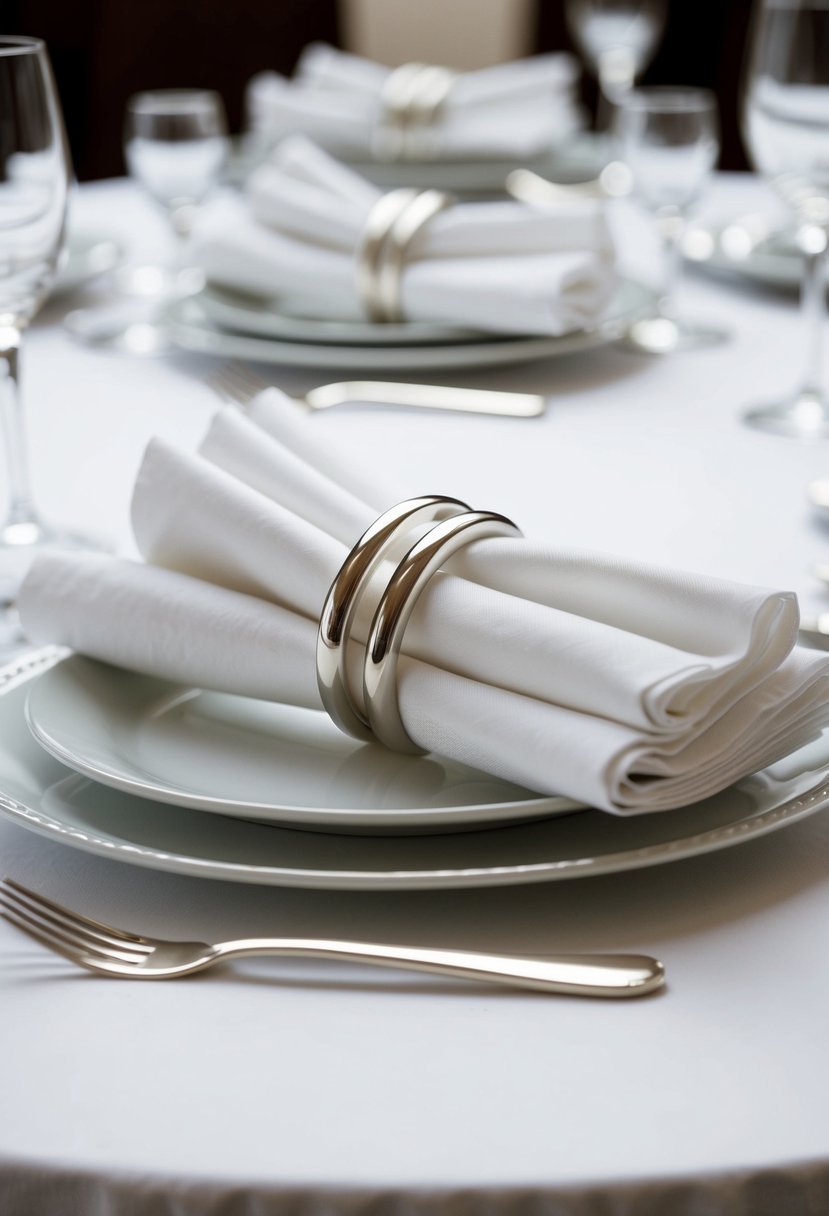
(124, 330)
(662, 335)
(803, 416)
(134, 326)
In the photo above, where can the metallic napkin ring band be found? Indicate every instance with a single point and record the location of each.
(413, 99)
(342, 601)
(393, 223)
(454, 525)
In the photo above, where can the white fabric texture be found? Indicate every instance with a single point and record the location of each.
(629, 687)
(512, 110)
(499, 266)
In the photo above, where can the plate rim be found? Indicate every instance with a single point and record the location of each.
(744, 828)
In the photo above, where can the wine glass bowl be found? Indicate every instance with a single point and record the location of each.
(35, 176)
(785, 118)
(34, 181)
(617, 38)
(669, 141)
(176, 147)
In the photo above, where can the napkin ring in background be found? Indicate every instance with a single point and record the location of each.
(413, 99)
(393, 223)
(451, 525)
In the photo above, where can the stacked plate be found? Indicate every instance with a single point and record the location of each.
(216, 786)
(576, 160)
(220, 322)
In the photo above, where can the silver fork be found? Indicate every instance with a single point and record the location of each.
(107, 950)
(236, 383)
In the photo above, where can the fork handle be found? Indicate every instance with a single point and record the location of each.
(608, 975)
(427, 396)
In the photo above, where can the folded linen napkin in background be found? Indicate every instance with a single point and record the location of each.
(629, 687)
(500, 266)
(510, 111)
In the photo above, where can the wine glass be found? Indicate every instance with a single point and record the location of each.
(35, 176)
(669, 140)
(786, 127)
(617, 38)
(176, 147)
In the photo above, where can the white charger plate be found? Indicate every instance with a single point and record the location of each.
(192, 328)
(39, 793)
(256, 759)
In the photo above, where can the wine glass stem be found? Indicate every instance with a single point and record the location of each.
(813, 304)
(20, 507)
(673, 229)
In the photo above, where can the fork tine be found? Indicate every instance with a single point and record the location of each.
(243, 375)
(234, 382)
(75, 953)
(74, 956)
(107, 934)
(68, 940)
(226, 388)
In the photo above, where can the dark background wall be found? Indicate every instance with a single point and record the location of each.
(104, 50)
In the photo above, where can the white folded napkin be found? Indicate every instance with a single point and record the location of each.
(512, 111)
(501, 266)
(630, 687)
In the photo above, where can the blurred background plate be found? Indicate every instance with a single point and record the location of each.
(579, 159)
(192, 329)
(253, 315)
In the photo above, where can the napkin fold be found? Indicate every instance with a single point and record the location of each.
(497, 267)
(511, 111)
(627, 686)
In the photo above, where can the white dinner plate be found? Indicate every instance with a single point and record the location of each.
(39, 793)
(750, 246)
(193, 329)
(252, 315)
(88, 255)
(577, 159)
(256, 759)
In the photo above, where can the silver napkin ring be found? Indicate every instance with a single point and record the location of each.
(413, 98)
(451, 525)
(393, 223)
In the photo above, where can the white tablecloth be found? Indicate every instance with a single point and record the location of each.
(271, 1087)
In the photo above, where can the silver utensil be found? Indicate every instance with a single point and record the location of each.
(531, 187)
(107, 950)
(236, 383)
(614, 181)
